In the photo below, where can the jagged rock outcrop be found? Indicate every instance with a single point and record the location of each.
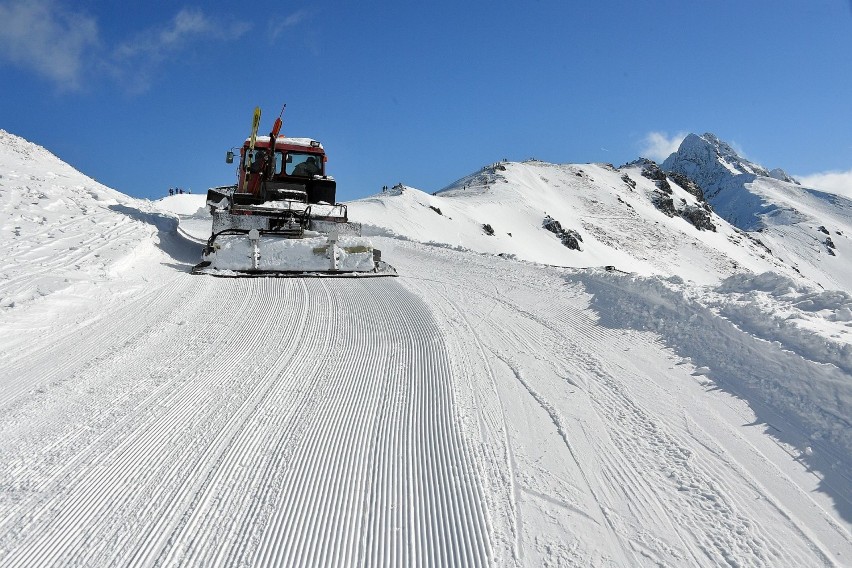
(652, 171)
(664, 203)
(722, 174)
(569, 237)
(688, 185)
(699, 217)
(663, 196)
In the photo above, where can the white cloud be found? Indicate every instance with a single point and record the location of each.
(44, 37)
(292, 20)
(833, 182)
(187, 26)
(134, 62)
(659, 145)
(295, 18)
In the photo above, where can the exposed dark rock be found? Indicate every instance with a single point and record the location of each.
(572, 239)
(638, 162)
(436, 209)
(553, 225)
(664, 203)
(829, 243)
(488, 229)
(629, 181)
(823, 229)
(699, 217)
(653, 172)
(689, 185)
(569, 237)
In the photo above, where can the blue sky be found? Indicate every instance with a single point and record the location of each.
(150, 95)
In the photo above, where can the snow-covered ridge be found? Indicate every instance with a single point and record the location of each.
(625, 217)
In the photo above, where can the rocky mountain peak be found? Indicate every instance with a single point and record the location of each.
(725, 177)
(707, 156)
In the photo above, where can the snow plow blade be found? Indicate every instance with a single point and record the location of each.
(322, 255)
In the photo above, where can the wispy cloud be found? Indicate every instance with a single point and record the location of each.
(659, 145)
(833, 182)
(136, 61)
(43, 36)
(187, 26)
(294, 19)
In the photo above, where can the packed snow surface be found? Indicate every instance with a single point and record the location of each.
(663, 396)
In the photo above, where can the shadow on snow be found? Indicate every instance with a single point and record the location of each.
(798, 401)
(184, 251)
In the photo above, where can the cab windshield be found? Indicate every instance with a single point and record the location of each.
(303, 164)
(293, 163)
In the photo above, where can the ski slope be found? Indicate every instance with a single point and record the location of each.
(424, 420)
(478, 410)
(230, 421)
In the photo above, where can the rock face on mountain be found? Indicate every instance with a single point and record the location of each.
(750, 197)
(723, 175)
(698, 214)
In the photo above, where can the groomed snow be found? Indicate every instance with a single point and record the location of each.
(505, 402)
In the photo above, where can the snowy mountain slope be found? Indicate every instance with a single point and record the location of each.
(807, 228)
(477, 410)
(59, 226)
(611, 209)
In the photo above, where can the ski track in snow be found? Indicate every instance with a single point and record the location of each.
(629, 477)
(282, 422)
(426, 420)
